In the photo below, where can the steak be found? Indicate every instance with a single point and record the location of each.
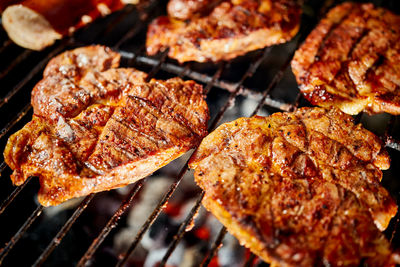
(97, 127)
(299, 189)
(351, 60)
(230, 29)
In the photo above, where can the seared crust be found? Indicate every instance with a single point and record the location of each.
(104, 130)
(185, 9)
(294, 187)
(231, 29)
(351, 60)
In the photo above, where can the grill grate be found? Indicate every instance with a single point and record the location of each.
(132, 52)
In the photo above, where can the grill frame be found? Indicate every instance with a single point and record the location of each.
(156, 64)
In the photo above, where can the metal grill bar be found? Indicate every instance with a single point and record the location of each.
(388, 139)
(64, 230)
(250, 260)
(182, 229)
(185, 70)
(225, 85)
(5, 45)
(230, 102)
(112, 223)
(13, 195)
(277, 78)
(35, 214)
(32, 73)
(153, 216)
(15, 62)
(126, 11)
(215, 77)
(215, 247)
(297, 101)
(144, 17)
(15, 120)
(157, 67)
(3, 166)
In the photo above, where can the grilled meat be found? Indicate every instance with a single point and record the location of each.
(105, 129)
(351, 60)
(299, 189)
(36, 24)
(185, 9)
(231, 29)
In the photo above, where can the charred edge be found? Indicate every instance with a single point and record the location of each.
(370, 73)
(328, 35)
(364, 33)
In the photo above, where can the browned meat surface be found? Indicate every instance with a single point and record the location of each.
(351, 60)
(185, 9)
(36, 24)
(104, 130)
(299, 189)
(231, 29)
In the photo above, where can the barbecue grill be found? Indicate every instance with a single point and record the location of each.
(82, 232)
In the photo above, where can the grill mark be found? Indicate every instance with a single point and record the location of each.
(327, 36)
(382, 60)
(179, 117)
(363, 35)
(147, 104)
(93, 149)
(148, 137)
(141, 133)
(392, 46)
(344, 65)
(370, 74)
(139, 147)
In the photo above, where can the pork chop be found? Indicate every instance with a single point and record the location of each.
(231, 29)
(351, 60)
(104, 129)
(299, 189)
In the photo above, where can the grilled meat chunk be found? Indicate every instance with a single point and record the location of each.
(231, 29)
(296, 187)
(185, 9)
(351, 60)
(104, 130)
